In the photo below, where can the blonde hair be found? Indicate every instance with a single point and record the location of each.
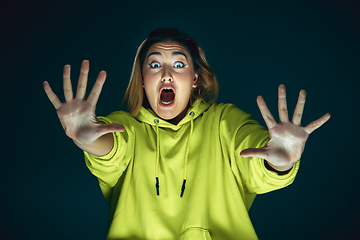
(207, 87)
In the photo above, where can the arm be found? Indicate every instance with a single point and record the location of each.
(268, 167)
(99, 147)
(77, 115)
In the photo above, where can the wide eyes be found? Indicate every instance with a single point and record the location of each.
(177, 64)
(154, 65)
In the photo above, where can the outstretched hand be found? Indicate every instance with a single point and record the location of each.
(287, 139)
(77, 115)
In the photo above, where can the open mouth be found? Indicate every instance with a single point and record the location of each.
(167, 96)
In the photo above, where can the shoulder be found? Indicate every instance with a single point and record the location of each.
(226, 110)
(120, 114)
(229, 116)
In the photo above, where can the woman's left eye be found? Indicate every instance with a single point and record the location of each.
(179, 65)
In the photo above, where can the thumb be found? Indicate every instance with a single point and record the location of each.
(109, 128)
(253, 152)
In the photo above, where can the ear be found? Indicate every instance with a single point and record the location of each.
(195, 80)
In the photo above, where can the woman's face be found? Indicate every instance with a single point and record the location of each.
(169, 77)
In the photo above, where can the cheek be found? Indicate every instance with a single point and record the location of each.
(188, 80)
(148, 78)
(150, 88)
(188, 75)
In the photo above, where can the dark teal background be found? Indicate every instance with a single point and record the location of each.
(253, 46)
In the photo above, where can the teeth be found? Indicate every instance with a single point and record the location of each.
(165, 102)
(166, 88)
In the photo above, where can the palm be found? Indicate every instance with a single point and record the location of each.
(287, 139)
(77, 115)
(286, 143)
(78, 118)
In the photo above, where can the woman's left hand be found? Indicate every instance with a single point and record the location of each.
(287, 139)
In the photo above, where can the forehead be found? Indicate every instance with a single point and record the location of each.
(168, 48)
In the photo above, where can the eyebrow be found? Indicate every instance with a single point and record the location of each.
(174, 53)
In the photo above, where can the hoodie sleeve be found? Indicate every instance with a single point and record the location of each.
(109, 168)
(244, 132)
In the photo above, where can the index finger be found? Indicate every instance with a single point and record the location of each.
(265, 112)
(51, 95)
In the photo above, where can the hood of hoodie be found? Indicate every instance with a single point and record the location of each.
(149, 116)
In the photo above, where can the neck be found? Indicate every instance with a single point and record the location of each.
(179, 117)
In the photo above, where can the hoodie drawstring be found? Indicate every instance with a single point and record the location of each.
(157, 184)
(192, 114)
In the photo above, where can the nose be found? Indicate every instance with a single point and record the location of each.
(167, 77)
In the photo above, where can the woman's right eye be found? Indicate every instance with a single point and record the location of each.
(154, 65)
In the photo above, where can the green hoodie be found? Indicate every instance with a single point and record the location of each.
(142, 178)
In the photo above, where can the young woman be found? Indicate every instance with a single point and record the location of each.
(177, 165)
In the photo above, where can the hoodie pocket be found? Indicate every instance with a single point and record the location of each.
(195, 233)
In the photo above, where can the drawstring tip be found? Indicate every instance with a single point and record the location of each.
(183, 188)
(157, 186)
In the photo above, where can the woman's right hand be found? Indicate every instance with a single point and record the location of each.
(77, 115)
